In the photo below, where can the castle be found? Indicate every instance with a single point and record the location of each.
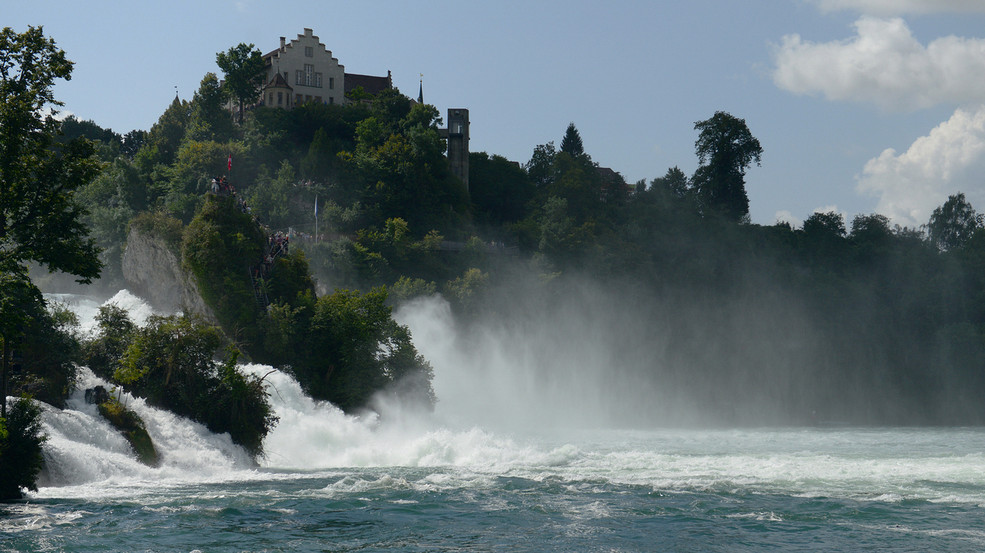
(303, 71)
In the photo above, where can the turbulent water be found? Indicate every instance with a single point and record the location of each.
(402, 481)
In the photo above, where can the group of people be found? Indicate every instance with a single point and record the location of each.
(221, 187)
(277, 244)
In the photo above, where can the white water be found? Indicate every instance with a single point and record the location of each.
(86, 458)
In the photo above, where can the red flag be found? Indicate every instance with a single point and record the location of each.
(229, 163)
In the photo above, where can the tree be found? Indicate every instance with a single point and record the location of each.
(540, 168)
(21, 438)
(245, 70)
(209, 118)
(571, 143)
(725, 149)
(40, 218)
(360, 350)
(500, 189)
(825, 224)
(674, 182)
(952, 224)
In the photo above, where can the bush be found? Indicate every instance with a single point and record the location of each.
(21, 438)
(359, 351)
(102, 354)
(171, 363)
(50, 348)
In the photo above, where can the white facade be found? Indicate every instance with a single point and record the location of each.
(308, 68)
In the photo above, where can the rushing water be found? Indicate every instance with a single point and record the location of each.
(404, 482)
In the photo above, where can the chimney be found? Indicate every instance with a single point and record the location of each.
(283, 43)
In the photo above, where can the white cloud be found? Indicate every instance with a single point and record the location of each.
(884, 64)
(950, 159)
(900, 7)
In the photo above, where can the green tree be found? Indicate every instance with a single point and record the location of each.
(674, 182)
(40, 217)
(500, 189)
(21, 438)
(827, 223)
(725, 149)
(244, 69)
(540, 168)
(952, 224)
(40, 220)
(360, 350)
(209, 117)
(571, 143)
(171, 362)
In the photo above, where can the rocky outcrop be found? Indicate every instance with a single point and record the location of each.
(154, 272)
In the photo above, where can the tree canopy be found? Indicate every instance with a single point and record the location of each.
(725, 149)
(952, 224)
(40, 220)
(244, 69)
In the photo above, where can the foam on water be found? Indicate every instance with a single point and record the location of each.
(85, 457)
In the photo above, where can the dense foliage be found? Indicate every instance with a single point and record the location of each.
(172, 363)
(21, 438)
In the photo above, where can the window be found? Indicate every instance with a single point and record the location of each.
(271, 101)
(280, 98)
(309, 71)
(331, 83)
(298, 77)
(297, 100)
(318, 80)
(309, 52)
(331, 99)
(317, 99)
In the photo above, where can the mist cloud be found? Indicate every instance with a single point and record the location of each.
(951, 158)
(885, 65)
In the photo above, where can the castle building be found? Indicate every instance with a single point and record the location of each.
(303, 70)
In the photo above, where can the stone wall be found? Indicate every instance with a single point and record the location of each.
(153, 272)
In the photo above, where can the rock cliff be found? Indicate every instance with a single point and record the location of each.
(153, 272)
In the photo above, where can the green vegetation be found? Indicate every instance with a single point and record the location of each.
(132, 428)
(171, 363)
(42, 222)
(21, 438)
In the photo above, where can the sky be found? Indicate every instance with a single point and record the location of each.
(861, 106)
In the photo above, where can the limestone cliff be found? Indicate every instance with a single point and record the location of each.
(153, 272)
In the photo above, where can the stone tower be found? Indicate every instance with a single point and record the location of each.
(458, 143)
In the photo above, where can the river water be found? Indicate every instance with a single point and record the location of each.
(403, 481)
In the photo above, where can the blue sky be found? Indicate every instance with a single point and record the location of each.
(861, 106)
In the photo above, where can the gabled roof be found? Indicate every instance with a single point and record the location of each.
(278, 82)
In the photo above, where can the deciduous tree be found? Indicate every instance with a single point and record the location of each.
(725, 149)
(244, 69)
(952, 224)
